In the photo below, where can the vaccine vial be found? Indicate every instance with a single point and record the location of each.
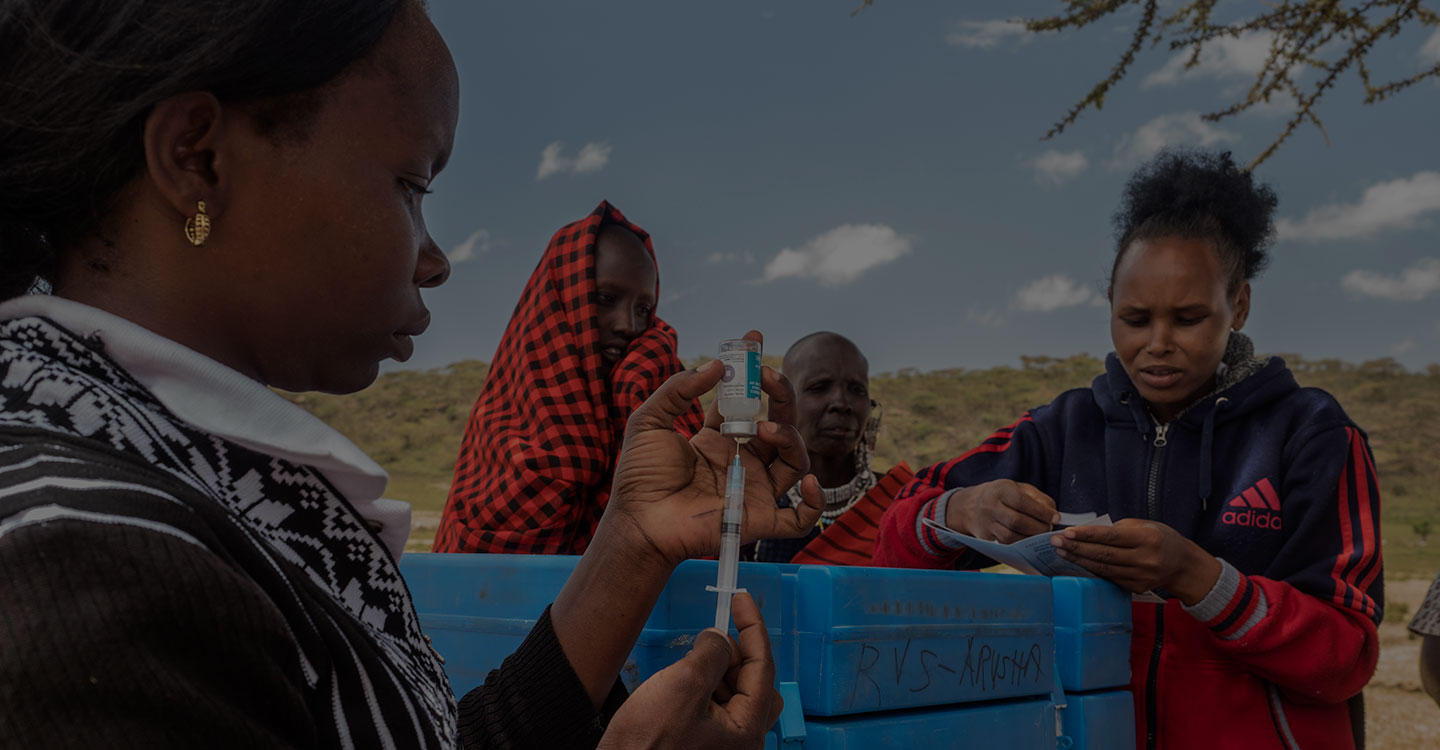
(739, 396)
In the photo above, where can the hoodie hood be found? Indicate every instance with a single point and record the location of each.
(1244, 385)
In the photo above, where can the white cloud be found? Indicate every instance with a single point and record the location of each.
(987, 34)
(1055, 292)
(551, 162)
(1055, 168)
(1180, 129)
(1397, 204)
(478, 243)
(840, 255)
(1402, 347)
(1430, 51)
(592, 158)
(1224, 57)
(1413, 284)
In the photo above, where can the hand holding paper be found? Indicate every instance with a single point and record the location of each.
(1034, 554)
(1001, 510)
(1140, 555)
(1042, 554)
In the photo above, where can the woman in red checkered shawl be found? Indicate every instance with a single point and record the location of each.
(582, 351)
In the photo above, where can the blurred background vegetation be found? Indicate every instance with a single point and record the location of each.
(411, 423)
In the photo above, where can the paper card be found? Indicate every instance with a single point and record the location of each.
(1079, 519)
(1034, 555)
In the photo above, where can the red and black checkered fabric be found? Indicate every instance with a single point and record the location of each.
(539, 451)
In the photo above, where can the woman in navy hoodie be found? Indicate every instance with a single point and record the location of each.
(1248, 503)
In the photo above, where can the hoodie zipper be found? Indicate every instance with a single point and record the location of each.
(1152, 488)
(1152, 511)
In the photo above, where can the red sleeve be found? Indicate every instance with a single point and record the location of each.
(898, 544)
(1314, 651)
(1308, 624)
(905, 542)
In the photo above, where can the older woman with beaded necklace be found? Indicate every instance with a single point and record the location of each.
(838, 421)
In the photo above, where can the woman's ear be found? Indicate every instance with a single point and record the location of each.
(1240, 306)
(180, 139)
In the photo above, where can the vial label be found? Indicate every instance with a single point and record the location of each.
(742, 374)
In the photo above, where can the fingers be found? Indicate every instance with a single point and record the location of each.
(782, 395)
(725, 688)
(1101, 553)
(1099, 559)
(713, 420)
(754, 641)
(673, 398)
(1134, 568)
(791, 462)
(1111, 536)
(789, 466)
(777, 707)
(999, 532)
(746, 614)
(723, 693)
(755, 697)
(782, 409)
(710, 658)
(810, 493)
(1034, 503)
(1127, 578)
(1002, 510)
(1015, 524)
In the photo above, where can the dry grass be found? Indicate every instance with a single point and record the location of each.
(1398, 714)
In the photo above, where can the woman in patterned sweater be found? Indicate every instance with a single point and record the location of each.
(212, 197)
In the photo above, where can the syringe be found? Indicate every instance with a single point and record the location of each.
(730, 542)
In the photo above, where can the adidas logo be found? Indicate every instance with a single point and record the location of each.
(1257, 506)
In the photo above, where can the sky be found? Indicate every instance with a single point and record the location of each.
(883, 176)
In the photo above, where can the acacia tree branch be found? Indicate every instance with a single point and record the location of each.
(1304, 33)
(1096, 97)
(1306, 105)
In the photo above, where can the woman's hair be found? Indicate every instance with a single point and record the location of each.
(78, 78)
(1200, 196)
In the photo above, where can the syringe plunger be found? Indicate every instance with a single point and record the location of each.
(729, 544)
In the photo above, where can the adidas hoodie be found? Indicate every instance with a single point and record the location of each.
(1271, 478)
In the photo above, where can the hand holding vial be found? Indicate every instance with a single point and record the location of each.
(669, 492)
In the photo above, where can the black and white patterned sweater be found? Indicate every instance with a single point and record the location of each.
(163, 586)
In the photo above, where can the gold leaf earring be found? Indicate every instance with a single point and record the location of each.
(197, 227)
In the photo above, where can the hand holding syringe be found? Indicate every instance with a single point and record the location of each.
(666, 506)
(671, 489)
